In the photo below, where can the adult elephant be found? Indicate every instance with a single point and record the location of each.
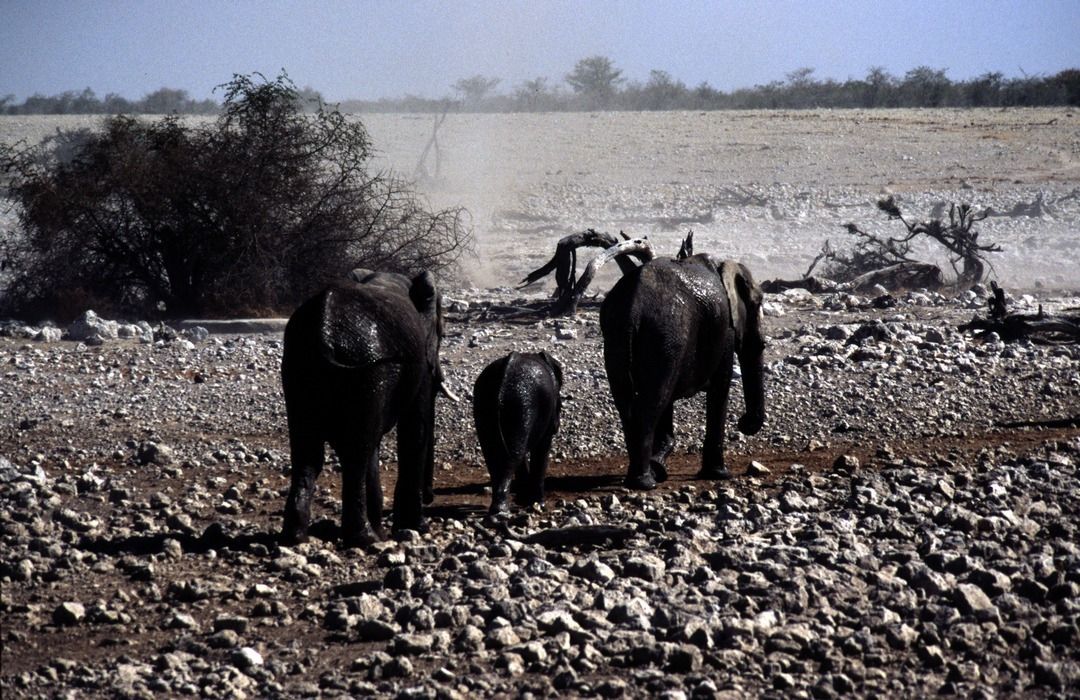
(672, 328)
(360, 358)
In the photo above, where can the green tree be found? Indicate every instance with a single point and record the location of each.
(1067, 83)
(662, 91)
(165, 101)
(596, 79)
(475, 89)
(925, 87)
(533, 94)
(248, 214)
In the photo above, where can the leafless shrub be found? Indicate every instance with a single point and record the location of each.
(249, 214)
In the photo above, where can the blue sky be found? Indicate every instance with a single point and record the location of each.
(389, 48)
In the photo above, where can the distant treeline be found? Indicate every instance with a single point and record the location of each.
(162, 101)
(596, 84)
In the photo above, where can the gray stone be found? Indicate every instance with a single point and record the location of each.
(375, 631)
(399, 578)
(971, 600)
(49, 334)
(69, 613)
(593, 570)
(470, 638)
(501, 637)
(246, 658)
(411, 644)
(758, 469)
(645, 566)
(155, 453)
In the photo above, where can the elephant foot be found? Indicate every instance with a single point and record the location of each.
(641, 482)
(292, 536)
(362, 539)
(429, 497)
(528, 496)
(659, 470)
(419, 525)
(499, 508)
(750, 424)
(713, 474)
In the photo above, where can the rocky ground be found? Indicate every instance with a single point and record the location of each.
(904, 525)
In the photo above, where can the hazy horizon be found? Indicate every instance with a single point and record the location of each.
(374, 50)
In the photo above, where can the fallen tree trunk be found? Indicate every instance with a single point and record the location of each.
(905, 275)
(568, 289)
(814, 285)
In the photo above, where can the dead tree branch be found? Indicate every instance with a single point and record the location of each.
(874, 259)
(638, 248)
(564, 261)
(568, 290)
(421, 171)
(958, 236)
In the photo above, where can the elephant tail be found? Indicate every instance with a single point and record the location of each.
(511, 359)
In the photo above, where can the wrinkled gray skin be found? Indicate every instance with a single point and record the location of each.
(360, 358)
(672, 328)
(516, 406)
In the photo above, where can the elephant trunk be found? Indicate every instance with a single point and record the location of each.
(750, 361)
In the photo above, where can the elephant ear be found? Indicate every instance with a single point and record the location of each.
(359, 274)
(422, 292)
(554, 364)
(740, 287)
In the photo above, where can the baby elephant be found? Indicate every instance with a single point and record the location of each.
(516, 407)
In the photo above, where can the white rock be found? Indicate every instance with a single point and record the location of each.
(49, 334)
(246, 657)
(90, 325)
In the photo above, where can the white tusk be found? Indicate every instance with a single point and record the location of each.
(449, 394)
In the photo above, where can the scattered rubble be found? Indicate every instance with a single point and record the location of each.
(881, 536)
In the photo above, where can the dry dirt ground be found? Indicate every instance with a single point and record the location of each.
(145, 482)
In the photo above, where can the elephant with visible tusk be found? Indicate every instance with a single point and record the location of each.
(673, 328)
(360, 358)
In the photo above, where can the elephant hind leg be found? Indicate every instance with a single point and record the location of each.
(357, 456)
(716, 410)
(532, 489)
(413, 445)
(501, 469)
(639, 426)
(663, 443)
(374, 495)
(307, 457)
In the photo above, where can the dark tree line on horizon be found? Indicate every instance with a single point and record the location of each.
(595, 83)
(161, 101)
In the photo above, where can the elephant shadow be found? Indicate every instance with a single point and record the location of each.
(570, 483)
(214, 537)
(583, 482)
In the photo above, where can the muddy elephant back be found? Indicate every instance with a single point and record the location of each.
(360, 326)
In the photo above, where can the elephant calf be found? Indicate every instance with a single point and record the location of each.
(516, 407)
